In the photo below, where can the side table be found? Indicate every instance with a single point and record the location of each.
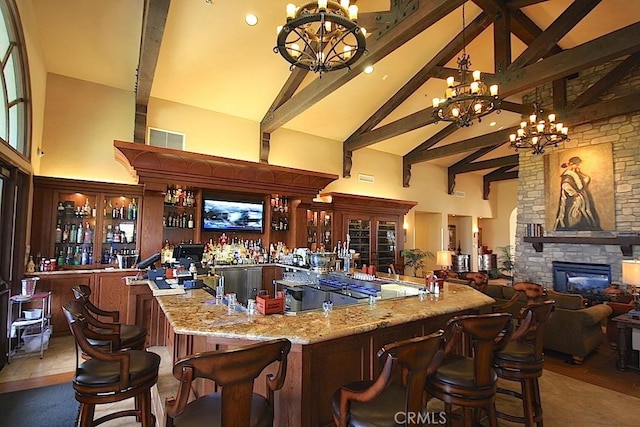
(19, 323)
(624, 322)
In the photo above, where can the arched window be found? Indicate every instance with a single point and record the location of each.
(14, 86)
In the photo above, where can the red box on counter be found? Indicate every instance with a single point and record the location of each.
(268, 305)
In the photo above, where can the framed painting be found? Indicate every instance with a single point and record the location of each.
(579, 189)
(452, 237)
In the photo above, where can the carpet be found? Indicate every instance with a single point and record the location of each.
(52, 406)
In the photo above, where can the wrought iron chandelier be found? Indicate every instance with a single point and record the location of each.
(321, 36)
(465, 101)
(538, 133)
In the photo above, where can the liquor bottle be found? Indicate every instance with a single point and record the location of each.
(114, 211)
(84, 257)
(121, 212)
(184, 221)
(77, 256)
(60, 208)
(116, 234)
(86, 210)
(130, 211)
(167, 197)
(190, 222)
(61, 260)
(134, 210)
(286, 205)
(80, 233)
(109, 234)
(88, 234)
(94, 211)
(104, 208)
(31, 266)
(73, 235)
(58, 232)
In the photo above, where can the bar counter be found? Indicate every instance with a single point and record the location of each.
(195, 313)
(327, 352)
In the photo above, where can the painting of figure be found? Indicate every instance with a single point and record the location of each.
(579, 189)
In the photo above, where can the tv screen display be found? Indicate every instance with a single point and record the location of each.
(232, 215)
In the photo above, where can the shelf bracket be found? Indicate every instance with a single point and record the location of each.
(627, 249)
(537, 246)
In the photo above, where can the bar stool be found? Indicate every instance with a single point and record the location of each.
(109, 377)
(378, 403)
(130, 336)
(470, 381)
(234, 370)
(522, 360)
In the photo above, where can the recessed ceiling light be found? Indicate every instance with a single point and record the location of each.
(368, 69)
(208, 1)
(251, 19)
(492, 124)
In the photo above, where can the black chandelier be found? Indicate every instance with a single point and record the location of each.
(465, 101)
(538, 133)
(321, 36)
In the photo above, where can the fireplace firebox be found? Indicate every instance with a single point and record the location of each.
(588, 280)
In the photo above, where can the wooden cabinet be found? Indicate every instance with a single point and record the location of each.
(315, 226)
(374, 226)
(83, 224)
(143, 309)
(181, 216)
(60, 287)
(108, 291)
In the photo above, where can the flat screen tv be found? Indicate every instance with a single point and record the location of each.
(232, 215)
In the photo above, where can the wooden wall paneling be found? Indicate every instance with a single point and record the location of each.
(150, 235)
(111, 292)
(60, 287)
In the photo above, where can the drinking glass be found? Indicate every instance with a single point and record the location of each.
(231, 302)
(327, 306)
(251, 306)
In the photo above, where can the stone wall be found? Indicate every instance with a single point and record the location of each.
(623, 132)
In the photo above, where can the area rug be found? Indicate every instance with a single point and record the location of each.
(52, 406)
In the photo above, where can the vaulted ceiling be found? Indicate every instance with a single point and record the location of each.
(201, 53)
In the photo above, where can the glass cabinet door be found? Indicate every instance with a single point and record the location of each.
(386, 244)
(360, 235)
(119, 232)
(74, 232)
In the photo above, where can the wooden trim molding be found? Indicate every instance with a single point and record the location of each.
(163, 165)
(374, 205)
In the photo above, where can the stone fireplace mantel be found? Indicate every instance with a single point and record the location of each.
(626, 243)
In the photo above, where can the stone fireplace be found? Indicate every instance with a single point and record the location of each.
(587, 280)
(536, 264)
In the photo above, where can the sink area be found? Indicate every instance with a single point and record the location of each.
(346, 290)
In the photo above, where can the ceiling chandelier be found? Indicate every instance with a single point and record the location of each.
(464, 100)
(538, 133)
(321, 36)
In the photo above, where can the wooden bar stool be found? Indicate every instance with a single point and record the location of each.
(130, 336)
(109, 377)
(381, 402)
(522, 360)
(470, 381)
(234, 370)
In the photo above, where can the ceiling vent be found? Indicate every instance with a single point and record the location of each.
(461, 194)
(366, 178)
(166, 139)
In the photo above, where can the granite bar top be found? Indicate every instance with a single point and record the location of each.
(196, 313)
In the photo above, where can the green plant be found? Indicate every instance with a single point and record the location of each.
(506, 263)
(414, 258)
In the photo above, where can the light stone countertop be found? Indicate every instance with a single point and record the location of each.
(195, 313)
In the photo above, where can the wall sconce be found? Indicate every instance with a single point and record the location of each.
(475, 231)
(40, 152)
(405, 226)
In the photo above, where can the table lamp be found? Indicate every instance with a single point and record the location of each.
(443, 258)
(631, 278)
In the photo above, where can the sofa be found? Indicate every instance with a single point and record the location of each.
(573, 329)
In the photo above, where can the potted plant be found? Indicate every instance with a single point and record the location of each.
(506, 263)
(414, 258)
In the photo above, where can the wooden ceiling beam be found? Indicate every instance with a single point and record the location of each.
(554, 33)
(608, 81)
(153, 21)
(425, 16)
(477, 26)
(511, 160)
(501, 174)
(519, 4)
(442, 134)
(610, 46)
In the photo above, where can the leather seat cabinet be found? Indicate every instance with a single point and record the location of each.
(129, 336)
(466, 377)
(522, 360)
(108, 377)
(234, 370)
(379, 402)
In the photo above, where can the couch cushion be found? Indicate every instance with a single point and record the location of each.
(566, 301)
(494, 291)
